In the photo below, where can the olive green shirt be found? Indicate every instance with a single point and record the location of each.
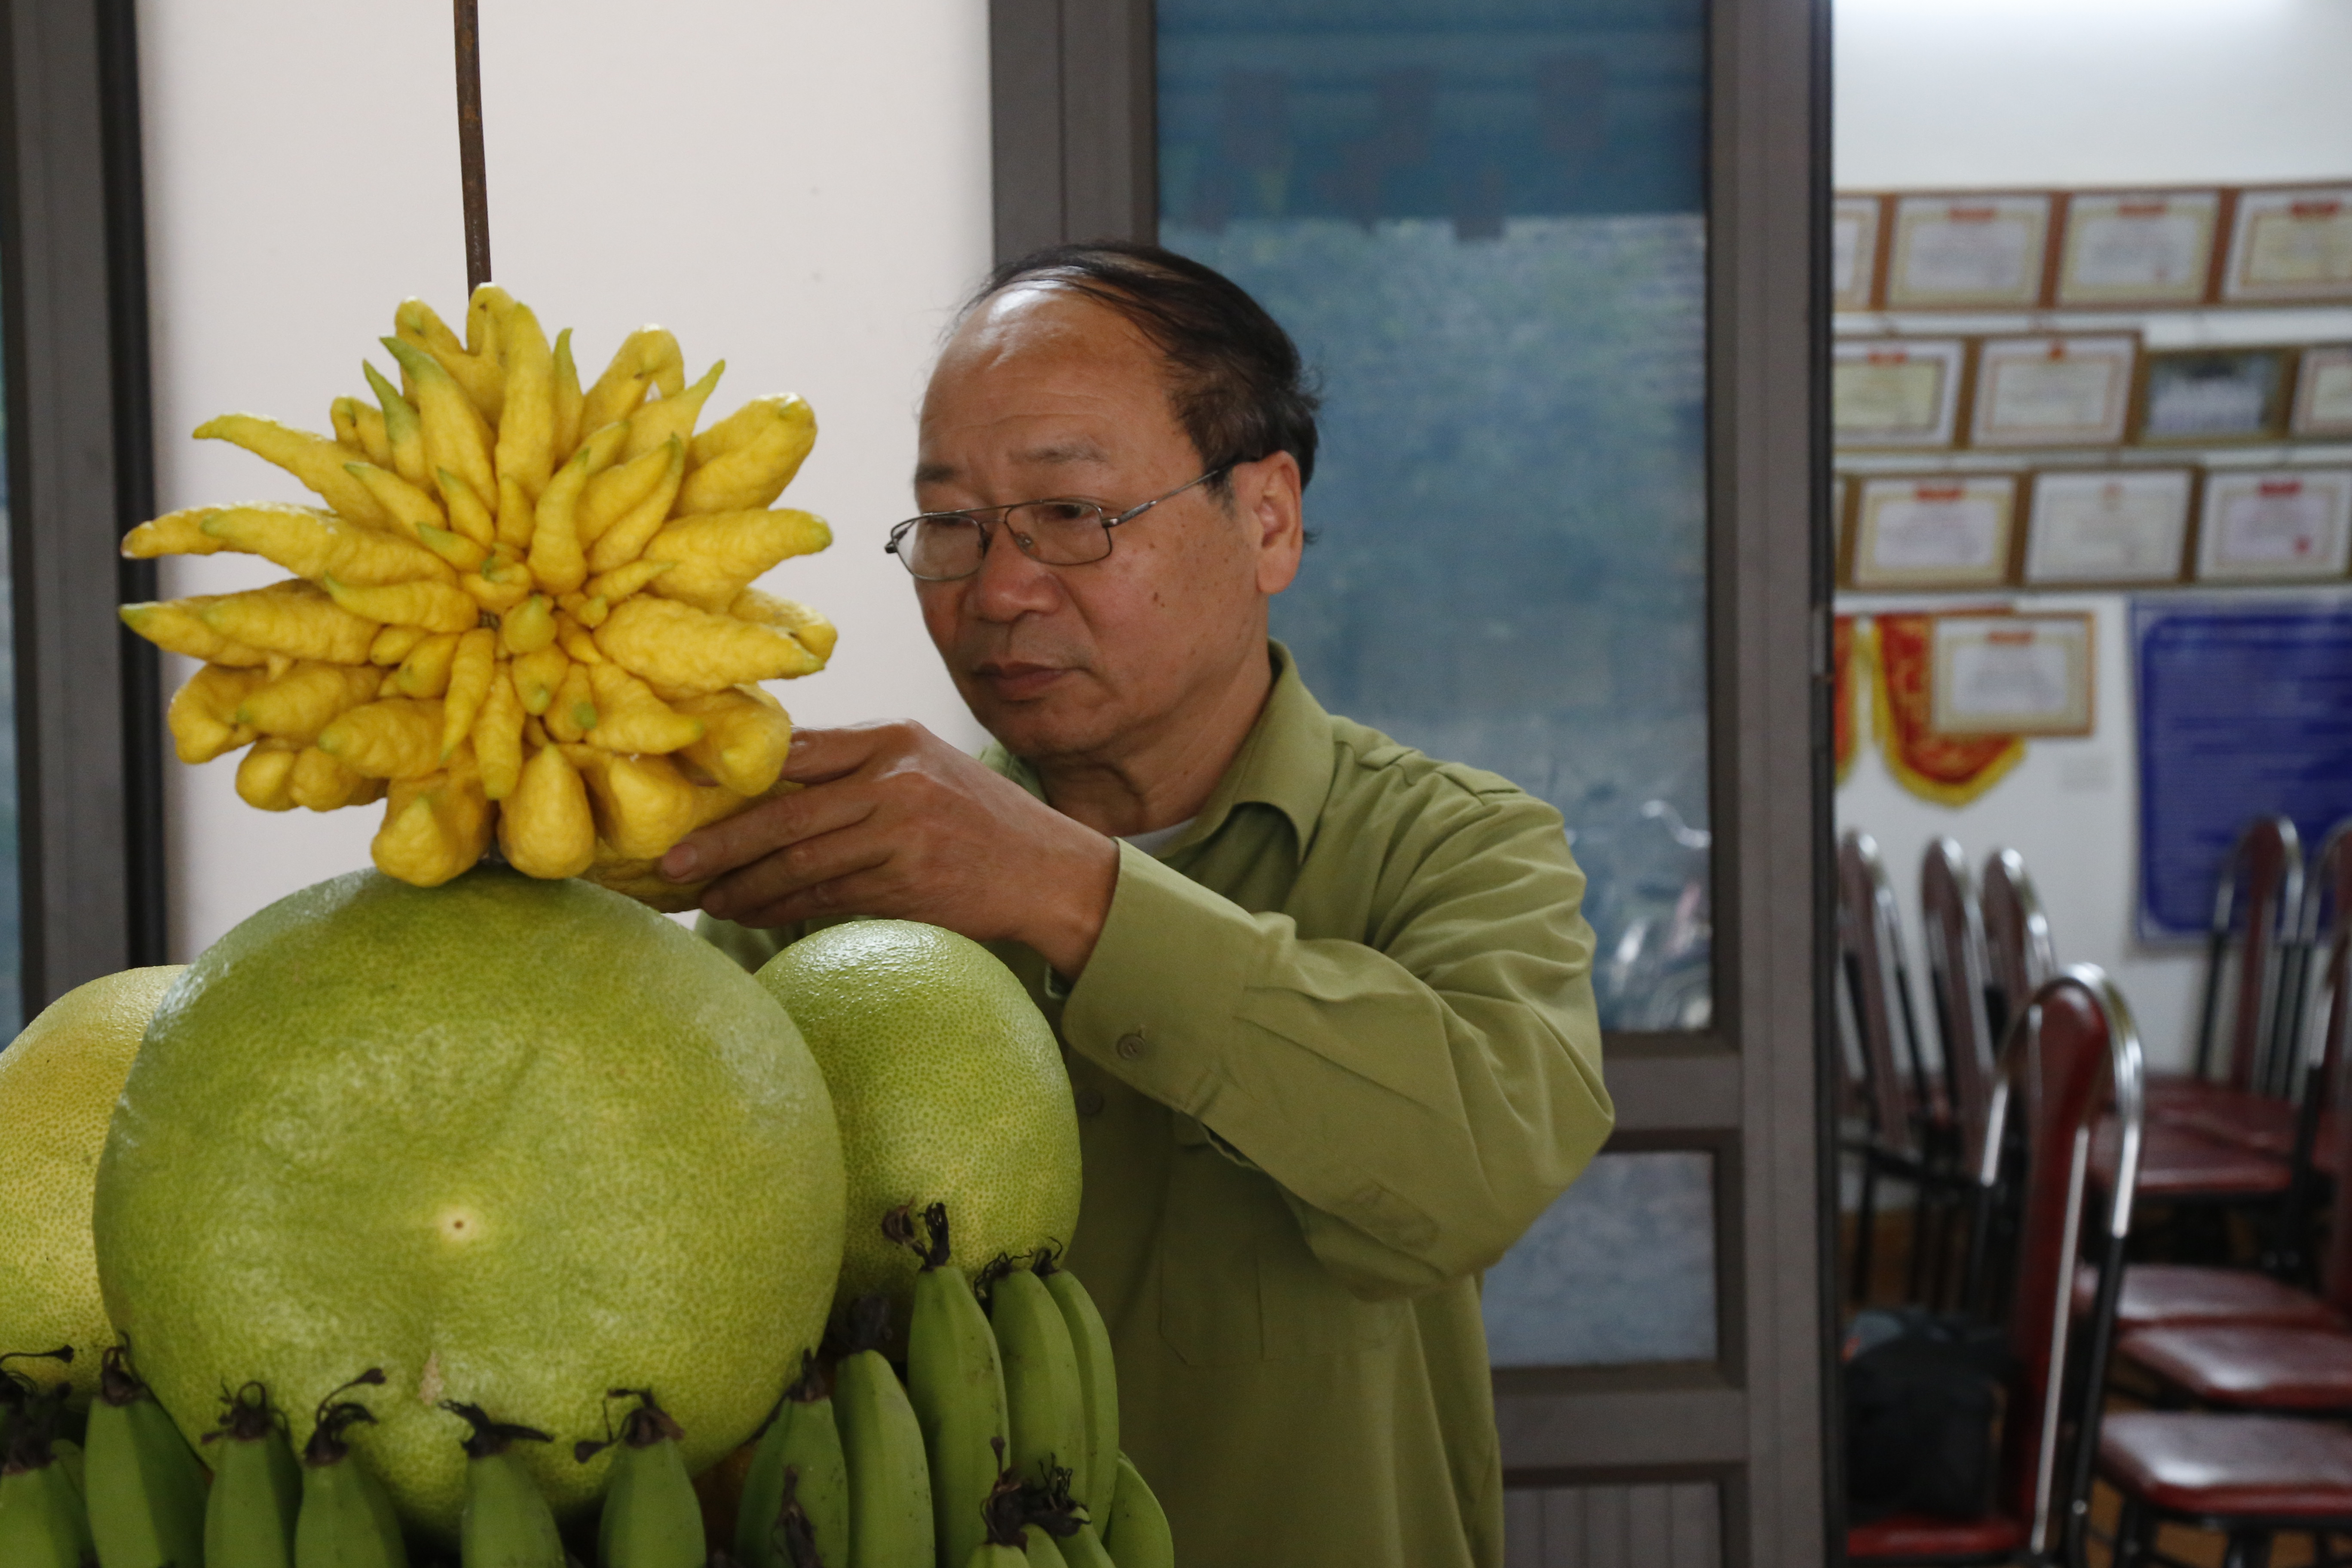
(1335, 1050)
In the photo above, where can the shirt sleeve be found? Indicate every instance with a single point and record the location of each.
(1421, 1096)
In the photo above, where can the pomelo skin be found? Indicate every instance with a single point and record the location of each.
(949, 1088)
(517, 1142)
(57, 1084)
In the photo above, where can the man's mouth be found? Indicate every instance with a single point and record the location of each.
(1014, 681)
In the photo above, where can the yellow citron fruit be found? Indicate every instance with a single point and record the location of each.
(57, 1086)
(367, 1130)
(506, 563)
(948, 1088)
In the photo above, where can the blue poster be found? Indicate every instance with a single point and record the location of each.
(2244, 710)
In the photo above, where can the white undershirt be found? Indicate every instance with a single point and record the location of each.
(1159, 838)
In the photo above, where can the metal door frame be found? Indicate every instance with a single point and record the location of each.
(80, 454)
(1074, 147)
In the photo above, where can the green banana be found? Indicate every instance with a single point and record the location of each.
(1041, 1552)
(799, 1454)
(73, 1462)
(1136, 1531)
(1003, 1520)
(890, 1482)
(1043, 1393)
(44, 1523)
(651, 1518)
(1094, 1481)
(1084, 1549)
(505, 1522)
(145, 1485)
(956, 1385)
(256, 1495)
(346, 1519)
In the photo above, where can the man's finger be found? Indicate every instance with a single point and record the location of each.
(797, 866)
(818, 756)
(747, 836)
(860, 893)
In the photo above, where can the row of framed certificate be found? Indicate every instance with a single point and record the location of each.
(2013, 250)
(2092, 528)
(2083, 389)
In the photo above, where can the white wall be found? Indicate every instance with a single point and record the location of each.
(2050, 94)
(799, 188)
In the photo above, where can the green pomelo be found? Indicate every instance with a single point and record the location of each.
(516, 1142)
(949, 1088)
(57, 1084)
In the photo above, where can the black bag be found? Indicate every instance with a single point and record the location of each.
(1923, 1395)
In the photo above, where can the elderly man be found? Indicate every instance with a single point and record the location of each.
(1325, 1000)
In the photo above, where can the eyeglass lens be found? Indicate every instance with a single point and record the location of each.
(1059, 533)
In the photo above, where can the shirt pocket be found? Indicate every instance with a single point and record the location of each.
(1237, 1280)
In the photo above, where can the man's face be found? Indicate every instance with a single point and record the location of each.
(1044, 394)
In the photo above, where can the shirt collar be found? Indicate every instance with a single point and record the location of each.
(1285, 762)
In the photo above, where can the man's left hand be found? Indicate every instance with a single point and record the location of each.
(894, 822)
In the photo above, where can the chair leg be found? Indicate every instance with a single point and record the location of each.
(1865, 1230)
(2135, 1534)
(2248, 1548)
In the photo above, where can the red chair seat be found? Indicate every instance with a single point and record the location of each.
(1912, 1536)
(2174, 1162)
(2257, 1121)
(2177, 1295)
(2265, 1467)
(2262, 1365)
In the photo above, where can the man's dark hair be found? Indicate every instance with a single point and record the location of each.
(1235, 379)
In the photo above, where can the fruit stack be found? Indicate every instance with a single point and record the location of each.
(526, 605)
(1000, 1446)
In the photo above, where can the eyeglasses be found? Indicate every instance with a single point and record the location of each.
(941, 546)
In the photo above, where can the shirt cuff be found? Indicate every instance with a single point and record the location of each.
(1159, 998)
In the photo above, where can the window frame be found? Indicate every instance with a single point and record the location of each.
(1075, 143)
(73, 311)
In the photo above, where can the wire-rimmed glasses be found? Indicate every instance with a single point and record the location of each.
(941, 546)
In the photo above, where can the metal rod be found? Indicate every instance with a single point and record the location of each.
(469, 146)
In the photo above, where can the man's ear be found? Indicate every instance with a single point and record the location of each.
(1267, 494)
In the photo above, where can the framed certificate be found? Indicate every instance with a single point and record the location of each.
(2139, 248)
(2011, 675)
(2291, 244)
(1931, 532)
(2323, 394)
(2209, 395)
(2108, 527)
(1973, 252)
(1854, 234)
(2276, 524)
(2054, 391)
(1896, 392)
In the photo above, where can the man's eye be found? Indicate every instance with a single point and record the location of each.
(1051, 512)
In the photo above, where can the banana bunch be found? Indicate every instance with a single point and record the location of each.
(1005, 1436)
(525, 608)
(43, 1521)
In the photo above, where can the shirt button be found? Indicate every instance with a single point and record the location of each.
(1130, 1046)
(1090, 1102)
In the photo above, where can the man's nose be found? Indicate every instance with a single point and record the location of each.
(1009, 585)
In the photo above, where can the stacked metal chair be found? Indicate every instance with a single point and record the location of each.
(2073, 1053)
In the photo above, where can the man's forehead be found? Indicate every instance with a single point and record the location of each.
(1067, 452)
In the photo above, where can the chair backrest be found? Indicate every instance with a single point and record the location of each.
(2334, 1009)
(1870, 937)
(2019, 952)
(1956, 985)
(2073, 1051)
(2268, 859)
